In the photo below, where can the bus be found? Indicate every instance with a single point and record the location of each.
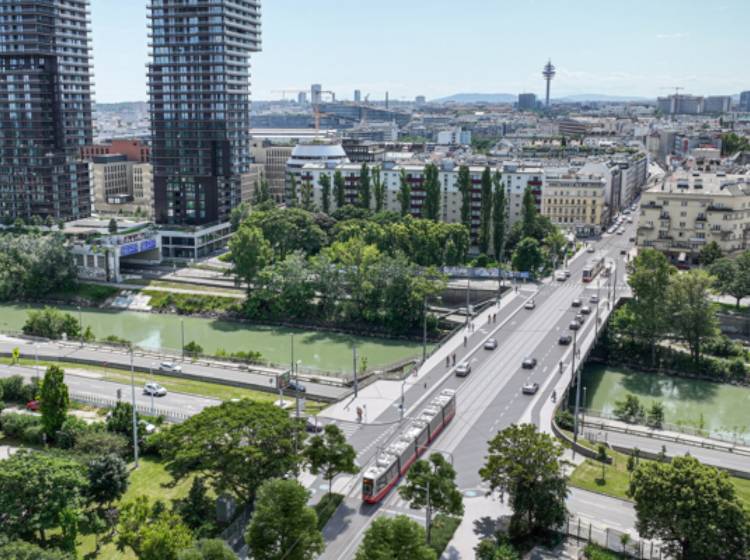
(593, 268)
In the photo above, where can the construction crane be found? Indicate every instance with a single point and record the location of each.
(316, 108)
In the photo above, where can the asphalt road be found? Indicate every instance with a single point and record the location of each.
(180, 403)
(490, 398)
(103, 356)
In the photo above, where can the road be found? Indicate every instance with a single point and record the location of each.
(490, 398)
(117, 358)
(90, 385)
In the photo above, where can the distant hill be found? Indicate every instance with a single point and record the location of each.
(583, 97)
(478, 98)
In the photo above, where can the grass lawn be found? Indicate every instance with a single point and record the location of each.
(147, 283)
(617, 478)
(595, 552)
(443, 527)
(150, 479)
(95, 293)
(199, 388)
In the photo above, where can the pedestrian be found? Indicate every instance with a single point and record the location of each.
(489, 319)
(447, 361)
(494, 317)
(464, 341)
(425, 385)
(454, 358)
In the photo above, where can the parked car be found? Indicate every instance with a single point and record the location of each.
(586, 310)
(530, 388)
(529, 363)
(170, 367)
(623, 251)
(529, 304)
(620, 231)
(565, 339)
(490, 344)
(296, 386)
(154, 389)
(463, 369)
(577, 302)
(574, 325)
(33, 406)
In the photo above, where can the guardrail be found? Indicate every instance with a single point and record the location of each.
(103, 402)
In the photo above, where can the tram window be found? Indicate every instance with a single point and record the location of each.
(367, 487)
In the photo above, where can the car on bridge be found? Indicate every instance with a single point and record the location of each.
(296, 386)
(529, 363)
(594, 299)
(463, 369)
(170, 367)
(577, 302)
(586, 310)
(574, 325)
(565, 339)
(580, 318)
(530, 388)
(529, 304)
(490, 344)
(154, 389)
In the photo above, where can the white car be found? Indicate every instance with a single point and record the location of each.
(154, 389)
(590, 249)
(463, 369)
(490, 344)
(530, 388)
(170, 367)
(529, 304)
(560, 276)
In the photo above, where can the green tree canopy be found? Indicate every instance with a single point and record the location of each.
(404, 193)
(330, 455)
(107, 479)
(51, 323)
(288, 230)
(364, 194)
(151, 531)
(499, 217)
(339, 189)
(732, 276)
(692, 313)
(465, 187)
(379, 189)
(21, 550)
(325, 192)
(35, 488)
(283, 526)
(431, 185)
(395, 538)
(208, 549)
(485, 214)
(250, 252)
(527, 465)
(54, 400)
(236, 445)
(691, 508)
(710, 253)
(528, 256)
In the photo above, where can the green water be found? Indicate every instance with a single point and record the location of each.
(718, 408)
(324, 351)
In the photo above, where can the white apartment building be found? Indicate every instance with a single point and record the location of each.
(575, 202)
(689, 210)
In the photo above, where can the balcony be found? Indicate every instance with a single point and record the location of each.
(716, 208)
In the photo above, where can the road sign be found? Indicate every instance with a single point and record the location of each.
(282, 380)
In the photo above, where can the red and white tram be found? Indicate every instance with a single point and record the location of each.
(393, 463)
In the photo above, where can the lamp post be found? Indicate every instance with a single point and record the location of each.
(577, 375)
(468, 304)
(182, 338)
(80, 324)
(354, 369)
(135, 419)
(424, 329)
(296, 391)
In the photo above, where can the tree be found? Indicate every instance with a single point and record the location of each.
(112, 227)
(655, 417)
(307, 197)
(710, 253)
(51, 323)
(432, 485)
(464, 187)
(732, 276)
(339, 189)
(529, 214)
(485, 214)
(330, 454)
(250, 252)
(528, 256)
(527, 465)
(691, 508)
(325, 192)
(364, 196)
(603, 458)
(262, 192)
(289, 229)
(431, 207)
(20, 550)
(293, 200)
(488, 549)
(555, 242)
(120, 421)
(629, 410)
(283, 526)
(238, 215)
(197, 509)
(692, 313)
(404, 193)
(649, 275)
(236, 446)
(208, 549)
(107, 480)
(54, 400)
(731, 143)
(379, 189)
(499, 218)
(395, 538)
(150, 531)
(35, 489)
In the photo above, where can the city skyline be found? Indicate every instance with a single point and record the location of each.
(601, 48)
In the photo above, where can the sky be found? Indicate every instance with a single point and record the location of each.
(439, 47)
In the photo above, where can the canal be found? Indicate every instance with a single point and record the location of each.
(718, 408)
(319, 350)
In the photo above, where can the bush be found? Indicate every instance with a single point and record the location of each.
(194, 348)
(33, 435)
(13, 388)
(326, 507)
(116, 340)
(14, 424)
(71, 430)
(630, 410)
(51, 323)
(101, 443)
(564, 419)
(595, 552)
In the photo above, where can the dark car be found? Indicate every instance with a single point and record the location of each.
(586, 310)
(296, 386)
(577, 302)
(565, 339)
(33, 406)
(574, 325)
(490, 344)
(529, 363)
(313, 426)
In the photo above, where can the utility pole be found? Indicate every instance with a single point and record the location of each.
(296, 391)
(401, 412)
(80, 325)
(135, 416)
(424, 329)
(577, 375)
(468, 294)
(182, 338)
(354, 360)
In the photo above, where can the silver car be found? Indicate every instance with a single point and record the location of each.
(170, 367)
(154, 389)
(463, 369)
(490, 344)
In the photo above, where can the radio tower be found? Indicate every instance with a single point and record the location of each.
(548, 73)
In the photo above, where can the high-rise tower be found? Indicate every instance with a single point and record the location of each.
(199, 89)
(548, 73)
(45, 108)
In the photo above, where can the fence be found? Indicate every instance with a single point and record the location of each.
(612, 539)
(102, 402)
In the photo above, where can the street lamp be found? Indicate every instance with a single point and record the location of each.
(468, 304)
(80, 324)
(354, 363)
(296, 389)
(424, 329)
(182, 339)
(135, 419)
(151, 375)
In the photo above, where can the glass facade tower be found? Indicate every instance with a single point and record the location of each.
(199, 89)
(45, 109)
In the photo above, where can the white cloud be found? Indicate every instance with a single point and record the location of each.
(671, 35)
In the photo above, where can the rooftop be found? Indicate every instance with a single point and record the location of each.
(704, 183)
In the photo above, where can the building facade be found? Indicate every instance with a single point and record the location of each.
(133, 149)
(689, 210)
(45, 109)
(745, 101)
(200, 105)
(121, 187)
(575, 202)
(527, 101)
